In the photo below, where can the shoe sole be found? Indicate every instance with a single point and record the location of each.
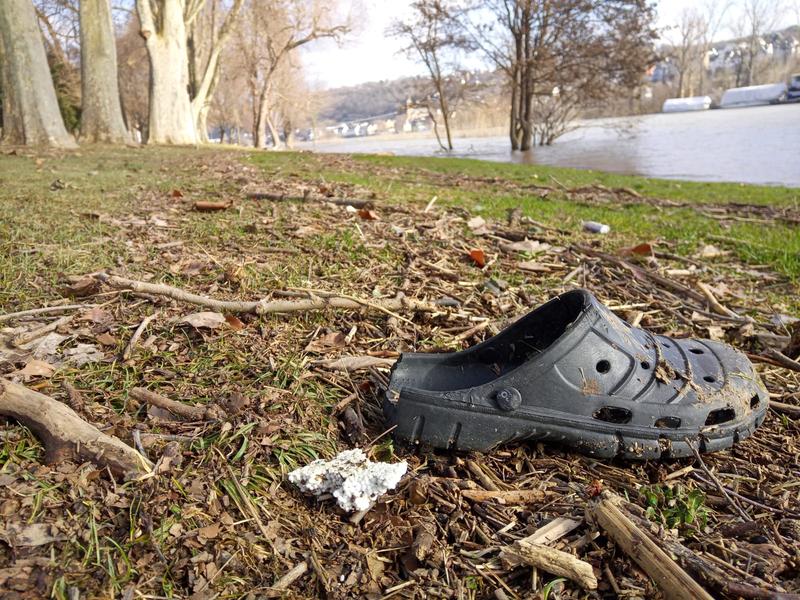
(451, 426)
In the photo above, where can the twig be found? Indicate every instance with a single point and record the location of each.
(553, 561)
(505, 496)
(714, 303)
(717, 482)
(354, 202)
(261, 307)
(782, 359)
(192, 413)
(29, 336)
(285, 582)
(44, 310)
(126, 354)
(785, 409)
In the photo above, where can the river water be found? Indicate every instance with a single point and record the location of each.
(748, 145)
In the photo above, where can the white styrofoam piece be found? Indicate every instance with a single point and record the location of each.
(354, 480)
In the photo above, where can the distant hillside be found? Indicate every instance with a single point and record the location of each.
(360, 102)
(365, 100)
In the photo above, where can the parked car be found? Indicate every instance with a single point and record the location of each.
(793, 93)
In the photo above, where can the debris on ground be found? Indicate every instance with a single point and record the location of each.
(354, 480)
(242, 405)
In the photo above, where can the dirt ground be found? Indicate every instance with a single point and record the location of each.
(218, 519)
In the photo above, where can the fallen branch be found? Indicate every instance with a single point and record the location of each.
(643, 273)
(355, 203)
(179, 409)
(65, 435)
(552, 561)
(673, 581)
(261, 307)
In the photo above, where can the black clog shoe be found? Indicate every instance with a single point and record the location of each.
(573, 372)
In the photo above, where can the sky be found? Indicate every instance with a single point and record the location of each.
(370, 55)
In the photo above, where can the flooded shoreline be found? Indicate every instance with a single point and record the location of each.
(758, 145)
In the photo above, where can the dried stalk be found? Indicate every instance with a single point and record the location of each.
(673, 581)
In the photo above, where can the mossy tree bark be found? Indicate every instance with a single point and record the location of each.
(101, 117)
(30, 107)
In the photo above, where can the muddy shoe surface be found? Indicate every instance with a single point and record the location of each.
(572, 372)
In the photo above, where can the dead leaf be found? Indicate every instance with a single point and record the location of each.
(526, 246)
(375, 566)
(36, 534)
(715, 332)
(368, 215)
(329, 341)
(45, 346)
(478, 225)
(36, 368)
(85, 286)
(209, 532)
(106, 339)
(83, 354)
(176, 194)
(235, 322)
(355, 363)
(204, 320)
(97, 315)
(478, 257)
(208, 206)
(643, 249)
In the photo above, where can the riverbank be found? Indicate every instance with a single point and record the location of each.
(267, 393)
(743, 145)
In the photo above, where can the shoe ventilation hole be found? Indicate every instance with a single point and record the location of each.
(666, 345)
(719, 416)
(613, 414)
(754, 401)
(603, 366)
(709, 378)
(668, 423)
(696, 351)
(645, 364)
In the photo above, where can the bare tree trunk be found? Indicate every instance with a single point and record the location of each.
(205, 87)
(445, 116)
(263, 119)
(205, 107)
(101, 116)
(273, 131)
(259, 126)
(30, 108)
(171, 120)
